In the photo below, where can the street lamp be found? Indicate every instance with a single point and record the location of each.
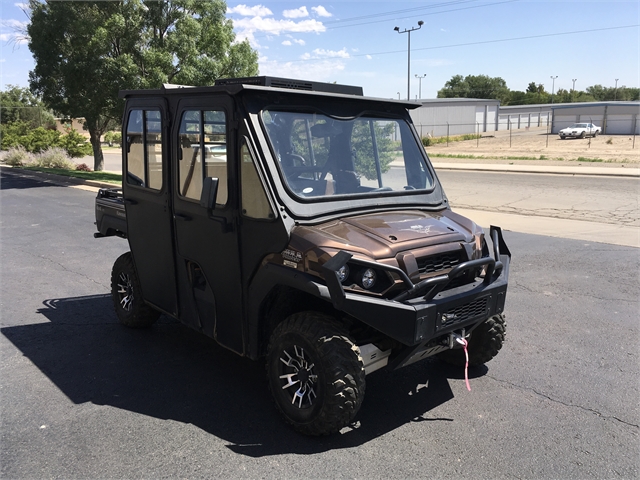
(553, 86)
(398, 95)
(397, 29)
(573, 89)
(615, 93)
(420, 84)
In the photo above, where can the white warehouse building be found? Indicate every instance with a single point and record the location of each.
(440, 117)
(615, 118)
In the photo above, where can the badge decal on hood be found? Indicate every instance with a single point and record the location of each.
(423, 229)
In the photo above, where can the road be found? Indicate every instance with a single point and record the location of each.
(581, 207)
(83, 397)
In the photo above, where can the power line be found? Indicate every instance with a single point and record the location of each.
(395, 12)
(414, 10)
(483, 42)
(427, 14)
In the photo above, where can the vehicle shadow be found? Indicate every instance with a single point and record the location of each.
(10, 180)
(172, 372)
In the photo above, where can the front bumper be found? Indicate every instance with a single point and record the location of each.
(426, 311)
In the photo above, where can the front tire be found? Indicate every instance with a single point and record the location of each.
(315, 373)
(126, 294)
(484, 344)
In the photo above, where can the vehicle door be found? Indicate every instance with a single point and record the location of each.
(207, 256)
(147, 199)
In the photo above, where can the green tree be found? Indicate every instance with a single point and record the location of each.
(19, 104)
(366, 149)
(475, 86)
(85, 52)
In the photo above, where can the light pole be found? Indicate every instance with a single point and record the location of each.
(398, 95)
(553, 86)
(615, 93)
(573, 89)
(420, 84)
(397, 29)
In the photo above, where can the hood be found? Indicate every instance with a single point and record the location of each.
(385, 234)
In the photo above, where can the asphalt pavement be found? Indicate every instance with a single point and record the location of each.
(84, 397)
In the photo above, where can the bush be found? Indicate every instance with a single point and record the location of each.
(426, 141)
(83, 167)
(54, 158)
(36, 140)
(18, 157)
(113, 138)
(75, 144)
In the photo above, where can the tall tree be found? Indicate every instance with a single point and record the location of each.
(19, 104)
(475, 86)
(85, 52)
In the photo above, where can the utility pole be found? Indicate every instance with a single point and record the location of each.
(420, 84)
(615, 93)
(553, 86)
(408, 31)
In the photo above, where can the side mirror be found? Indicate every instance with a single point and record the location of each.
(209, 193)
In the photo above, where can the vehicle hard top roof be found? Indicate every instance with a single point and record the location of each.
(233, 86)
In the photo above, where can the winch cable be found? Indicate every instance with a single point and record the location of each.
(464, 344)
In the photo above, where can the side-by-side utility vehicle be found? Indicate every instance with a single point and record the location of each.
(301, 223)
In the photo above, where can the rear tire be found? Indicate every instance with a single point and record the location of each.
(315, 373)
(126, 294)
(484, 344)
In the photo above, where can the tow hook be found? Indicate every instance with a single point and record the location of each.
(455, 338)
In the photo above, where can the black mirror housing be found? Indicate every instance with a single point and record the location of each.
(209, 193)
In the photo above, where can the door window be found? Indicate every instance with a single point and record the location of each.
(255, 203)
(144, 149)
(203, 153)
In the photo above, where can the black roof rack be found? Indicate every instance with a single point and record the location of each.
(292, 84)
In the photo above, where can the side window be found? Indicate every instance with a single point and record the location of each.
(255, 203)
(144, 149)
(203, 153)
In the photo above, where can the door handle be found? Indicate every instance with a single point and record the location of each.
(179, 216)
(128, 201)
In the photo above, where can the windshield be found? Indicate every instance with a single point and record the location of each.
(320, 156)
(578, 125)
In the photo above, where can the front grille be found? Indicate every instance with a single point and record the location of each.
(437, 263)
(464, 312)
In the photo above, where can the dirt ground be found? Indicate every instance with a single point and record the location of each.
(505, 147)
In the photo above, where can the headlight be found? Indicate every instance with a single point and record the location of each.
(343, 273)
(368, 278)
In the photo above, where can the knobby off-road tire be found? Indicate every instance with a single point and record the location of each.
(127, 295)
(315, 373)
(484, 344)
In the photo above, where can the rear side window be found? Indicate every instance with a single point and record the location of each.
(203, 153)
(144, 149)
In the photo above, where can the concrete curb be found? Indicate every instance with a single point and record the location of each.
(58, 179)
(540, 169)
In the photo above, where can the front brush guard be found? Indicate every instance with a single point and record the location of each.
(427, 289)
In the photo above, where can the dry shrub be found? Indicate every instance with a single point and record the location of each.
(18, 157)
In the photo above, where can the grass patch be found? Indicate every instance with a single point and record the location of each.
(428, 141)
(479, 157)
(114, 178)
(587, 160)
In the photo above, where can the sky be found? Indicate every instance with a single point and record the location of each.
(354, 42)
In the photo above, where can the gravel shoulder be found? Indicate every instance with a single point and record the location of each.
(506, 147)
